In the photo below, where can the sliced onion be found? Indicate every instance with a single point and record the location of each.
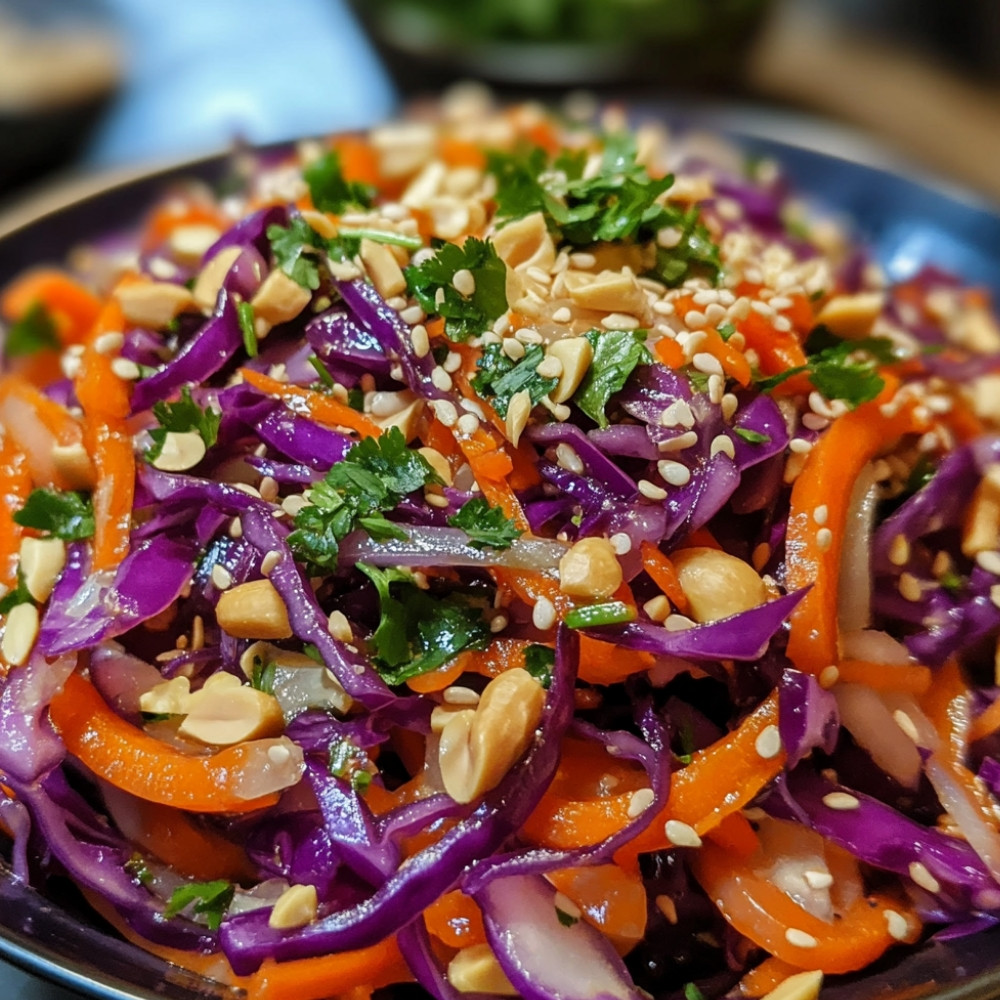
(854, 599)
(875, 647)
(797, 856)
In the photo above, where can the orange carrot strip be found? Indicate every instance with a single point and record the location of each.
(759, 910)
(735, 835)
(761, 979)
(491, 465)
(135, 762)
(909, 678)
(455, 919)
(461, 153)
(669, 352)
(986, 723)
(663, 574)
(324, 409)
(827, 479)
(612, 900)
(15, 485)
(72, 307)
(605, 663)
(175, 213)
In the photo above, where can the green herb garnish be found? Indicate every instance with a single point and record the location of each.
(329, 190)
(539, 661)
(244, 313)
(181, 417)
(751, 437)
(65, 515)
(500, 378)
(486, 526)
(210, 900)
(611, 613)
(616, 355)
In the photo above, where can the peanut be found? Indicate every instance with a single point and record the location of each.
(181, 450)
(153, 303)
(852, 316)
(295, 907)
(20, 633)
(717, 584)
(253, 610)
(279, 299)
(590, 569)
(798, 986)
(42, 560)
(476, 970)
(526, 243)
(190, 243)
(386, 275)
(225, 712)
(209, 281)
(575, 354)
(982, 521)
(170, 697)
(478, 746)
(609, 291)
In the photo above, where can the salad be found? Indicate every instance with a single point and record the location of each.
(509, 554)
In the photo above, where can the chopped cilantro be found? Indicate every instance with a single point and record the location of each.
(321, 370)
(464, 316)
(210, 900)
(621, 202)
(33, 332)
(950, 581)
(539, 661)
(137, 867)
(610, 613)
(566, 919)
(244, 312)
(486, 526)
(19, 595)
(262, 675)
(68, 516)
(329, 190)
(691, 992)
(751, 437)
(501, 378)
(616, 354)
(183, 416)
(361, 781)
(384, 236)
(373, 477)
(312, 651)
(835, 369)
(345, 757)
(726, 330)
(343, 246)
(297, 248)
(419, 632)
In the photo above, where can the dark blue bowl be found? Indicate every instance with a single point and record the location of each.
(909, 221)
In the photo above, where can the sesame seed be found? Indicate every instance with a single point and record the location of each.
(468, 424)
(715, 314)
(909, 587)
(412, 315)
(538, 274)
(724, 444)
(498, 623)
(502, 325)
(667, 907)
(445, 411)
(125, 369)
(840, 801)
(464, 282)
(707, 363)
(651, 491)
(270, 560)
(824, 539)
(236, 528)
(821, 513)
(705, 296)
(897, 925)
(567, 458)
(278, 754)
(740, 309)
(513, 348)
(657, 608)
(566, 905)
(70, 365)
(799, 446)
(221, 577)
(620, 321)
(817, 879)
(681, 834)
(441, 379)
(621, 543)
(457, 695)
(694, 319)
(899, 551)
(814, 422)
(435, 499)
(640, 801)
(906, 724)
(584, 261)
(799, 938)
(782, 324)
(828, 676)
(761, 308)
(989, 561)
(678, 623)
(691, 341)
(452, 362)
(677, 414)
(674, 473)
(549, 367)
(923, 878)
(109, 343)
(562, 315)
(669, 236)
(995, 595)
(664, 308)
(729, 404)
(716, 388)
(680, 442)
(339, 627)
(768, 743)
(543, 615)
(268, 489)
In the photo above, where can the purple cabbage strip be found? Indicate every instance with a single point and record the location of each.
(347, 348)
(415, 947)
(599, 467)
(247, 939)
(807, 716)
(744, 636)
(251, 232)
(303, 441)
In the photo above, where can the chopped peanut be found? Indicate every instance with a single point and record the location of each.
(852, 316)
(296, 907)
(386, 274)
(42, 560)
(717, 584)
(225, 712)
(590, 569)
(210, 279)
(279, 299)
(609, 291)
(575, 354)
(476, 970)
(253, 610)
(153, 303)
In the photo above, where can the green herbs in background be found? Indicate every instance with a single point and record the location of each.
(841, 369)
(35, 331)
(206, 899)
(297, 248)
(64, 515)
(244, 313)
(373, 478)
(500, 378)
(539, 661)
(466, 313)
(181, 417)
(419, 631)
(616, 355)
(322, 371)
(329, 191)
(619, 203)
(486, 526)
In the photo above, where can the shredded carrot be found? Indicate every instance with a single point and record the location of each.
(763, 978)
(605, 663)
(491, 465)
(906, 677)
(669, 352)
(612, 900)
(461, 153)
(358, 159)
(455, 919)
(72, 307)
(663, 574)
(178, 212)
(135, 762)
(323, 409)
(736, 835)
(15, 485)
(827, 479)
(986, 723)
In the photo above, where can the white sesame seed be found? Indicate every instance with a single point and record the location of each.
(452, 362)
(268, 489)
(663, 308)
(412, 315)
(464, 282)
(445, 411)
(513, 348)
(439, 297)
(814, 422)
(989, 561)
(824, 539)
(782, 324)
(543, 615)
(740, 309)
(674, 473)
(821, 513)
(109, 343)
(125, 369)
(538, 274)
(567, 458)
(562, 315)
(906, 724)
(640, 801)
(468, 424)
(715, 314)
(679, 443)
(828, 676)
(896, 924)
(620, 321)
(681, 834)
(762, 308)
(502, 325)
(651, 491)
(899, 551)
(729, 404)
(621, 543)
(236, 528)
(817, 879)
(678, 623)
(800, 446)
(441, 379)
(528, 335)
(909, 587)
(498, 623)
(840, 801)
(278, 754)
(799, 938)
(339, 627)
(584, 261)
(70, 365)
(694, 319)
(923, 878)
(669, 236)
(549, 367)
(251, 491)
(705, 296)
(677, 414)
(722, 443)
(657, 608)
(270, 560)
(707, 363)
(221, 577)
(457, 695)
(716, 389)
(768, 743)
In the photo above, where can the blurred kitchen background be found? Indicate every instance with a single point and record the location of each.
(89, 85)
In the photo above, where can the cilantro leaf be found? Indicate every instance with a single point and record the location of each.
(244, 313)
(68, 516)
(464, 316)
(751, 437)
(33, 332)
(616, 355)
(486, 526)
(183, 416)
(297, 249)
(501, 378)
(329, 190)
(209, 899)
(19, 595)
(321, 370)
(373, 477)
(539, 661)
(841, 369)
(418, 632)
